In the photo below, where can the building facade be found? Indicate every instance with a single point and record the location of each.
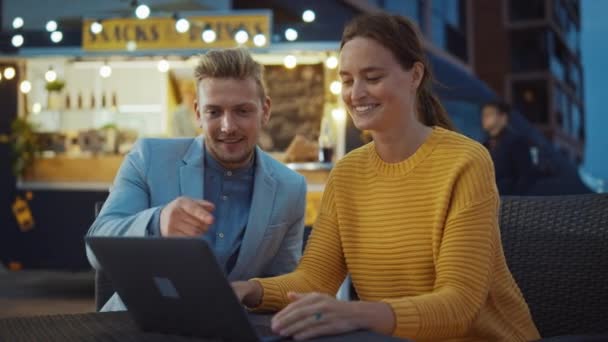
(529, 52)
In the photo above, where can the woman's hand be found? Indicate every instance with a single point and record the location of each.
(314, 314)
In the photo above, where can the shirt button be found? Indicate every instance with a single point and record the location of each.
(229, 173)
(221, 235)
(224, 198)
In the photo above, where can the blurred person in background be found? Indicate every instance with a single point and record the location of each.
(510, 151)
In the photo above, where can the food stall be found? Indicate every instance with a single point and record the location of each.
(87, 107)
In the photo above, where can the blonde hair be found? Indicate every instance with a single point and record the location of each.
(231, 63)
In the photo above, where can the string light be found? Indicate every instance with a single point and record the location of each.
(291, 34)
(182, 25)
(131, 46)
(9, 73)
(335, 87)
(163, 65)
(25, 86)
(105, 71)
(338, 114)
(17, 40)
(50, 75)
(96, 27)
(331, 62)
(51, 26)
(290, 61)
(56, 36)
(18, 23)
(308, 16)
(142, 11)
(208, 35)
(241, 36)
(259, 40)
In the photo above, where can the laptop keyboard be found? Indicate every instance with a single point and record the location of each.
(261, 324)
(264, 330)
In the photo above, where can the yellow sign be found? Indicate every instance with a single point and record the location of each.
(160, 33)
(23, 215)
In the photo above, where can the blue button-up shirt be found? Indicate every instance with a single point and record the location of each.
(230, 191)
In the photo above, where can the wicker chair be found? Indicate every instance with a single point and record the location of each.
(557, 249)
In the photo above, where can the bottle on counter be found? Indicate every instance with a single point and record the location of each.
(92, 100)
(326, 145)
(68, 102)
(114, 101)
(79, 101)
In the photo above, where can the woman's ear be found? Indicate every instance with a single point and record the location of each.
(417, 74)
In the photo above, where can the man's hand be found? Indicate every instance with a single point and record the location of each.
(186, 217)
(249, 292)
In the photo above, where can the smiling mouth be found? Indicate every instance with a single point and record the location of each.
(362, 110)
(231, 141)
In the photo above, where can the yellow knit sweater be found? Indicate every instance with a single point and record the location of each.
(421, 235)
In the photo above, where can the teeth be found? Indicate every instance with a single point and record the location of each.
(364, 108)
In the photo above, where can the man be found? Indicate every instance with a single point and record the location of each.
(221, 187)
(515, 172)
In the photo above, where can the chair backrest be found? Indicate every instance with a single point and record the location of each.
(103, 283)
(557, 250)
(103, 289)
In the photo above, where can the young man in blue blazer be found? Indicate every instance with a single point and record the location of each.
(219, 186)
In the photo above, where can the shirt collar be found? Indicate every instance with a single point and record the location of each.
(212, 163)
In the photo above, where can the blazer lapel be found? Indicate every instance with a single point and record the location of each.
(262, 203)
(191, 174)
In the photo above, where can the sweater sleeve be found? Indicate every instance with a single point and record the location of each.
(322, 268)
(464, 262)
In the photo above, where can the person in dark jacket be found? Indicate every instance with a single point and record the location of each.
(510, 151)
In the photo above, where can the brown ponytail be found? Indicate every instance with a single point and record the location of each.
(399, 35)
(430, 110)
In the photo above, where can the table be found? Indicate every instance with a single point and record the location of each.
(118, 326)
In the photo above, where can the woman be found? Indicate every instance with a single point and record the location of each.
(412, 216)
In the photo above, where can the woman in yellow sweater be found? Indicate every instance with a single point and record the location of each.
(412, 216)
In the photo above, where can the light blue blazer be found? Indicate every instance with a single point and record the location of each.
(156, 171)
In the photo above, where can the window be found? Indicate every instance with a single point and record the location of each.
(529, 50)
(409, 8)
(574, 79)
(558, 98)
(575, 111)
(448, 26)
(466, 117)
(530, 98)
(558, 57)
(567, 24)
(522, 10)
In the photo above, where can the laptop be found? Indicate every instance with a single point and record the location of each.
(175, 286)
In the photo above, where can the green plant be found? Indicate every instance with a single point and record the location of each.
(25, 145)
(109, 126)
(56, 85)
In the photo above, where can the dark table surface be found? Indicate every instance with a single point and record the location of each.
(116, 326)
